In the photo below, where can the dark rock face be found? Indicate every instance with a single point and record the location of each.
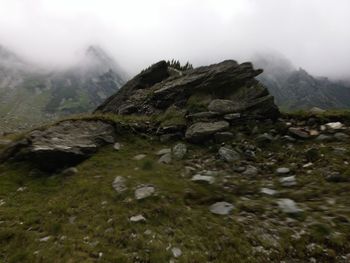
(156, 89)
(62, 145)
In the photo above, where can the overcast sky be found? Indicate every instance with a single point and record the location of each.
(314, 34)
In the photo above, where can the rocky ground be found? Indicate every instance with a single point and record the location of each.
(223, 178)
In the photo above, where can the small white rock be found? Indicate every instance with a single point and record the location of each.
(334, 125)
(288, 181)
(203, 178)
(268, 191)
(139, 157)
(176, 252)
(144, 192)
(283, 170)
(221, 208)
(137, 218)
(45, 239)
(163, 151)
(117, 146)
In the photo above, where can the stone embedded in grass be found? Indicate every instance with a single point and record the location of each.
(45, 239)
(139, 157)
(176, 252)
(203, 179)
(340, 136)
(250, 170)
(268, 191)
(137, 218)
(228, 155)
(221, 208)
(288, 181)
(299, 133)
(283, 170)
(163, 151)
(119, 184)
(165, 159)
(324, 138)
(70, 171)
(334, 125)
(179, 151)
(117, 146)
(144, 192)
(288, 206)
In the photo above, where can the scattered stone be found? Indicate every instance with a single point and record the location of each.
(334, 125)
(117, 146)
(307, 165)
(139, 157)
(268, 191)
(165, 159)
(70, 171)
(21, 189)
(179, 151)
(250, 171)
(223, 136)
(299, 133)
(316, 110)
(144, 192)
(72, 219)
(239, 169)
(288, 181)
(176, 252)
(163, 151)
(45, 239)
(288, 138)
(341, 136)
(288, 206)
(324, 138)
(228, 155)
(264, 139)
(203, 178)
(314, 133)
(283, 170)
(223, 106)
(232, 116)
(137, 218)
(221, 208)
(119, 184)
(202, 130)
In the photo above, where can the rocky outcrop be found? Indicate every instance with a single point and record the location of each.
(197, 105)
(206, 99)
(228, 87)
(62, 145)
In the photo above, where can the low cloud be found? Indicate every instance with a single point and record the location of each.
(314, 34)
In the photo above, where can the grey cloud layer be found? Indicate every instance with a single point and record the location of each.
(314, 34)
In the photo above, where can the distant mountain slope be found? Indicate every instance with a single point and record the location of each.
(30, 95)
(295, 89)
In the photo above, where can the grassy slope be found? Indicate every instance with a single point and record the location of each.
(178, 215)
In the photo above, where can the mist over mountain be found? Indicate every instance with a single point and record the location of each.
(30, 95)
(294, 88)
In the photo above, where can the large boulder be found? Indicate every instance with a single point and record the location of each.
(228, 87)
(62, 145)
